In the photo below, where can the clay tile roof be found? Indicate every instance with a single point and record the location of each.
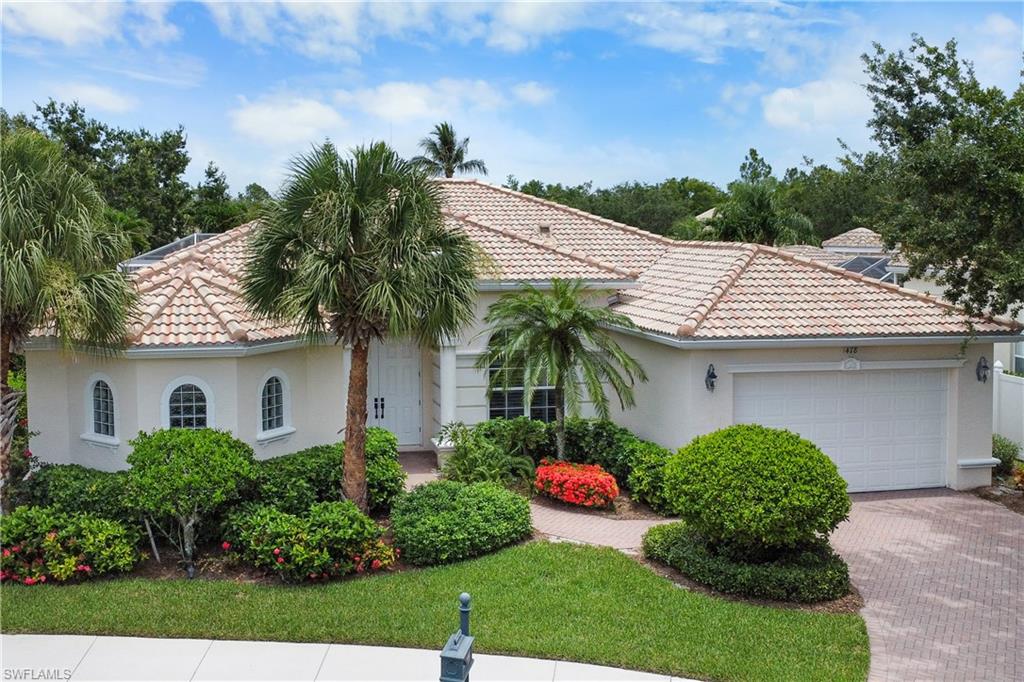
(685, 290)
(514, 256)
(817, 253)
(193, 297)
(858, 237)
(606, 240)
(764, 292)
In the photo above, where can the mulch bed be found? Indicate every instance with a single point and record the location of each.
(1004, 494)
(624, 508)
(851, 603)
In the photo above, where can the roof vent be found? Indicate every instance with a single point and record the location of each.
(544, 230)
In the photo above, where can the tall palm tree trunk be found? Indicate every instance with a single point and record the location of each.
(559, 422)
(354, 482)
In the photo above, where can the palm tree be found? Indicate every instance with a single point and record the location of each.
(58, 253)
(558, 338)
(754, 213)
(356, 248)
(444, 154)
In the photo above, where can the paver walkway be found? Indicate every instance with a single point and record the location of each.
(76, 657)
(942, 576)
(556, 521)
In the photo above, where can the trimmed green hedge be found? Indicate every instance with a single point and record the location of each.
(74, 489)
(1007, 452)
(647, 474)
(294, 482)
(445, 521)
(810, 574)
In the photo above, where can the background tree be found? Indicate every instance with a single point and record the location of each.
(951, 170)
(558, 338)
(137, 172)
(356, 248)
(213, 209)
(754, 213)
(653, 207)
(833, 199)
(58, 252)
(444, 154)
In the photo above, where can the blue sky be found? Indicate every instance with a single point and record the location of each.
(565, 92)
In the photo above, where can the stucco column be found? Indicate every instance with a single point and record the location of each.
(446, 381)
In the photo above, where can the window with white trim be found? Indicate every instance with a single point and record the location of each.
(187, 407)
(272, 404)
(102, 409)
(1018, 357)
(507, 396)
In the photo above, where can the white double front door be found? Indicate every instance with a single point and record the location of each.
(393, 390)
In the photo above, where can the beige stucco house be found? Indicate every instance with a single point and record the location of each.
(876, 375)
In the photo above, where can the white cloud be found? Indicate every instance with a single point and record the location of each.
(285, 120)
(400, 101)
(516, 26)
(994, 46)
(533, 92)
(68, 23)
(75, 24)
(734, 100)
(93, 96)
(817, 105)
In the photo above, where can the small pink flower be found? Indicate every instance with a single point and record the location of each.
(376, 564)
(30, 581)
(225, 545)
(280, 559)
(7, 552)
(277, 551)
(42, 578)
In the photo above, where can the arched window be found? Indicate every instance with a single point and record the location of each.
(186, 408)
(102, 409)
(272, 404)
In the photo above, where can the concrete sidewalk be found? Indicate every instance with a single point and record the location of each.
(76, 657)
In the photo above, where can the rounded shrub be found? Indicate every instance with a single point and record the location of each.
(445, 521)
(585, 485)
(646, 480)
(755, 487)
(328, 540)
(43, 543)
(814, 573)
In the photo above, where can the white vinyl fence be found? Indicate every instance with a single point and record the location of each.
(1007, 404)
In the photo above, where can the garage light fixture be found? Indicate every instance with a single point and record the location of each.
(981, 371)
(709, 378)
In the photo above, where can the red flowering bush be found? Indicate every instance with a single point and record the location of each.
(587, 485)
(331, 539)
(41, 544)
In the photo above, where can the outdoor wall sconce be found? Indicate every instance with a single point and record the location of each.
(981, 371)
(709, 378)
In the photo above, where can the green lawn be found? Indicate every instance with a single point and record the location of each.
(540, 599)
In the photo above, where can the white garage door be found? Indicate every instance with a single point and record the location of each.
(885, 430)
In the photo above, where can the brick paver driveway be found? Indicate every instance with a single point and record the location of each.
(942, 576)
